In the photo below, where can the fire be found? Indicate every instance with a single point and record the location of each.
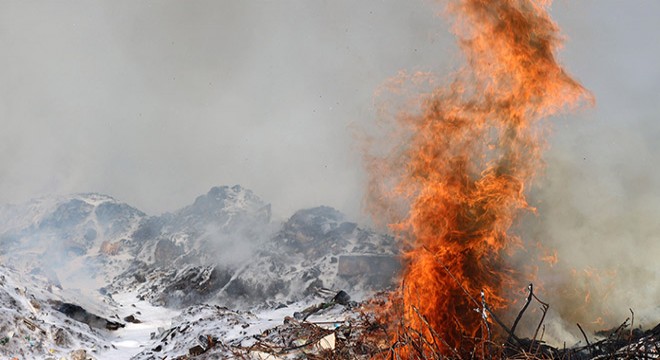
(470, 151)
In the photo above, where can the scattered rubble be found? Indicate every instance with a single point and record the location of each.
(330, 329)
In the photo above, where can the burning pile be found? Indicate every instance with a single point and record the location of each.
(467, 156)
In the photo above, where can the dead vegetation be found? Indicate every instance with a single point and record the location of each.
(363, 335)
(500, 341)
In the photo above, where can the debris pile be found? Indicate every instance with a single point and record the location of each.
(295, 337)
(623, 342)
(334, 328)
(500, 341)
(346, 333)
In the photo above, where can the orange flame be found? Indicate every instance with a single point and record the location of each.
(470, 152)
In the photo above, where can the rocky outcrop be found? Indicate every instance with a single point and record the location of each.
(78, 313)
(314, 249)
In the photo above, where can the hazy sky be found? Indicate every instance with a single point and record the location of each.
(154, 102)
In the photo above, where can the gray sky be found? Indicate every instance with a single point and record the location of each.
(154, 102)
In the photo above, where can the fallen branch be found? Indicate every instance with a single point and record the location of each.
(586, 339)
(530, 288)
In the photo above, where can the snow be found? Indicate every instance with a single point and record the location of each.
(130, 340)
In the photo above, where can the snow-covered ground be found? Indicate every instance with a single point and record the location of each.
(132, 339)
(172, 333)
(32, 328)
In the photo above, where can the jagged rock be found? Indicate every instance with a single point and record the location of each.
(77, 313)
(305, 256)
(132, 319)
(194, 285)
(342, 298)
(312, 250)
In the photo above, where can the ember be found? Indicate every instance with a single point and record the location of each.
(469, 153)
